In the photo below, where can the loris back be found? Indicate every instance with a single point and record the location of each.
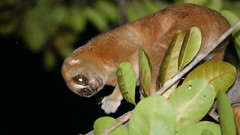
(94, 65)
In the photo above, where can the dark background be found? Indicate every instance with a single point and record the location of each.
(37, 101)
(34, 100)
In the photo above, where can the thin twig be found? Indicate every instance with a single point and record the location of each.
(196, 60)
(177, 77)
(120, 122)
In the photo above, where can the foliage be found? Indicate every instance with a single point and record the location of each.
(148, 119)
(220, 74)
(183, 111)
(145, 69)
(54, 26)
(226, 115)
(192, 101)
(105, 122)
(232, 19)
(127, 81)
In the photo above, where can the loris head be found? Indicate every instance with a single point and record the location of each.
(83, 76)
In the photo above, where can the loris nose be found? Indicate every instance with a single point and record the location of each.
(93, 87)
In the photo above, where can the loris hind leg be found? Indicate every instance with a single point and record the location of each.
(111, 103)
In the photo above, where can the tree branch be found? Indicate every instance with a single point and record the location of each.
(177, 77)
(123, 119)
(196, 60)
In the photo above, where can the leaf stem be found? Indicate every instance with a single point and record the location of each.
(196, 60)
(177, 77)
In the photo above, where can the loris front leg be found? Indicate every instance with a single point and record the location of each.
(111, 103)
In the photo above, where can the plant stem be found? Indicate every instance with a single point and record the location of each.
(177, 77)
(196, 60)
(123, 119)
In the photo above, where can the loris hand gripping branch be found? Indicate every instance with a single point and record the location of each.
(89, 68)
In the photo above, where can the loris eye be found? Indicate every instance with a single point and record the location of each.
(80, 79)
(85, 92)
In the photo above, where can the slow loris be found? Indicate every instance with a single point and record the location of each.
(90, 67)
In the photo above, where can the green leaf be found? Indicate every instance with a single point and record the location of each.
(233, 19)
(96, 19)
(201, 128)
(58, 14)
(215, 4)
(169, 66)
(153, 115)
(132, 13)
(108, 9)
(136, 10)
(226, 115)
(63, 43)
(191, 46)
(198, 2)
(103, 123)
(192, 101)
(76, 19)
(207, 132)
(127, 81)
(220, 74)
(33, 31)
(151, 6)
(145, 68)
(49, 60)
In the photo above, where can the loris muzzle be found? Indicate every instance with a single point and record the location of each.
(90, 67)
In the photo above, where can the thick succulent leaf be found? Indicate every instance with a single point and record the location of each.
(190, 47)
(153, 115)
(103, 123)
(236, 110)
(192, 101)
(226, 115)
(200, 128)
(220, 74)
(127, 81)
(169, 66)
(145, 68)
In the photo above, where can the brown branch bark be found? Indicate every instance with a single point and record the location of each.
(177, 77)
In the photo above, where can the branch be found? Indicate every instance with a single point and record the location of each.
(177, 77)
(196, 60)
(119, 123)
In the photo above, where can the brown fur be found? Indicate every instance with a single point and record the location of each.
(100, 57)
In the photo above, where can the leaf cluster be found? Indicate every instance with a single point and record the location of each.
(54, 27)
(182, 111)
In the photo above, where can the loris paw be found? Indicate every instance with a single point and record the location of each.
(110, 104)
